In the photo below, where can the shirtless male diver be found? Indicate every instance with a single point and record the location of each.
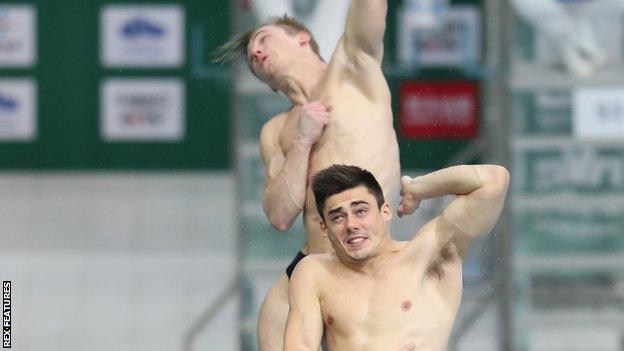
(375, 293)
(340, 113)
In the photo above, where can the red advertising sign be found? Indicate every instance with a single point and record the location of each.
(439, 109)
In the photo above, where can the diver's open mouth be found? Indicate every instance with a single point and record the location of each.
(356, 242)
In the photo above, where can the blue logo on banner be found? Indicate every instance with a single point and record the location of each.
(5, 24)
(142, 27)
(7, 103)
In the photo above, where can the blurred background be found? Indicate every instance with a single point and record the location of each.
(131, 183)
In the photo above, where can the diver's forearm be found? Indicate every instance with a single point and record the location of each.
(284, 196)
(456, 180)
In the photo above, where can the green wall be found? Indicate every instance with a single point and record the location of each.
(68, 74)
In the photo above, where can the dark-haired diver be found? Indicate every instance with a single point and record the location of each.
(375, 293)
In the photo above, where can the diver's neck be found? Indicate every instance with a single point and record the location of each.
(300, 82)
(372, 265)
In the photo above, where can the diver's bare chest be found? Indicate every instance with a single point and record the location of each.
(341, 124)
(366, 301)
(345, 111)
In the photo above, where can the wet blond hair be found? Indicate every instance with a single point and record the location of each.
(237, 46)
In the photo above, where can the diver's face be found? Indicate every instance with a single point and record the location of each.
(272, 50)
(355, 226)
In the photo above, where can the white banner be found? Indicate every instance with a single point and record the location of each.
(456, 41)
(599, 113)
(17, 36)
(142, 110)
(18, 110)
(145, 36)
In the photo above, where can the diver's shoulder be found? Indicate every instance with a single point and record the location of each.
(320, 262)
(320, 258)
(277, 120)
(273, 126)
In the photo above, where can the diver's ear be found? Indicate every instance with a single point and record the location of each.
(304, 38)
(386, 212)
(323, 229)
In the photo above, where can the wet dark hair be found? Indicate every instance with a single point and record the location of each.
(338, 178)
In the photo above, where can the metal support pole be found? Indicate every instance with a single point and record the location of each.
(497, 128)
(237, 161)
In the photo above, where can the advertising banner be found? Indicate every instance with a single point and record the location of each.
(439, 109)
(568, 196)
(599, 113)
(142, 110)
(142, 36)
(568, 168)
(542, 112)
(18, 110)
(456, 41)
(561, 228)
(18, 44)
